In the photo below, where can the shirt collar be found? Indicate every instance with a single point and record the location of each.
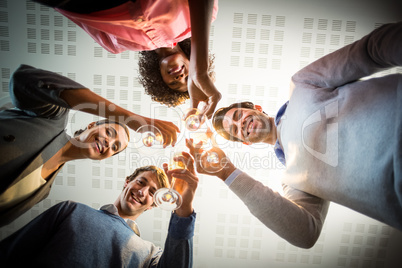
(280, 113)
(278, 149)
(112, 209)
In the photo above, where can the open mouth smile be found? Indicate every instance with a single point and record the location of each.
(99, 147)
(136, 199)
(248, 126)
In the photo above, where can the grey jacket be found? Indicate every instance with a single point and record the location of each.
(33, 132)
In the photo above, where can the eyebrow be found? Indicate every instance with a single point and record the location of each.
(114, 134)
(145, 179)
(114, 131)
(233, 118)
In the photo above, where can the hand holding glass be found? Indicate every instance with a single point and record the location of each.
(149, 136)
(168, 198)
(193, 119)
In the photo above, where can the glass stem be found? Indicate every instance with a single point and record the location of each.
(172, 184)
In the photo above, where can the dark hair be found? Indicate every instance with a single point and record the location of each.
(217, 119)
(151, 79)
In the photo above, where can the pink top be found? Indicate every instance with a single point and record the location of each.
(143, 25)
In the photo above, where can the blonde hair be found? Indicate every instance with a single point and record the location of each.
(163, 180)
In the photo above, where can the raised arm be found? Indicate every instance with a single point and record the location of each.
(179, 243)
(44, 93)
(377, 51)
(200, 86)
(296, 216)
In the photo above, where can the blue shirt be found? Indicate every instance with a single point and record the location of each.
(278, 147)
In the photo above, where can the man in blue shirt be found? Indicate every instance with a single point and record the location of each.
(340, 134)
(71, 234)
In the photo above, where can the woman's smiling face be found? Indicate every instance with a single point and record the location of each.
(174, 71)
(99, 142)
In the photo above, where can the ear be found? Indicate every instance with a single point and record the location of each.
(258, 108)
(126, 182)
(91, 125)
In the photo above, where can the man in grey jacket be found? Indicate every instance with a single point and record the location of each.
(341, 138)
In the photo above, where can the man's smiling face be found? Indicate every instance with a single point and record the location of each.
(248, 125)
(137, 196)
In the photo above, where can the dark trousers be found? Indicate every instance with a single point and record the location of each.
(82, 6)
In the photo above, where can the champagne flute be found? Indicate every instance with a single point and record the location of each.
(211, 160)
(194, 119)
(169, 198)
(149, 136)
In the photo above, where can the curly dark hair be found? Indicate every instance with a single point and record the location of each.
(151, 78)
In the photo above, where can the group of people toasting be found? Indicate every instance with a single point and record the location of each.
(338, 136)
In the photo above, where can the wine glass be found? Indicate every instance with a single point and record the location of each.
(211, 160)
(149, 136)
(168, 198)
(193, 119)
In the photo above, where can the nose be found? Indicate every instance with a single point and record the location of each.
(240, 126)
(180, 76)
(143, 191)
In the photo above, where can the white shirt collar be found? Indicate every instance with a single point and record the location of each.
(112, 209)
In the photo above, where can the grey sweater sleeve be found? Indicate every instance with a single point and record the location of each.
(379, 50)
(296, 216)
(37, 92)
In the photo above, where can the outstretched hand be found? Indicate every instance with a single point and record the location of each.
(202, 89)
(221, 169)
(168, 130)
(186, 182)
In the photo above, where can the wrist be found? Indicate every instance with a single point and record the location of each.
(226, 171)
(184, 211)
(134, 121)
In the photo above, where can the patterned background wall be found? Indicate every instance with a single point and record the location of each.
(258, 46)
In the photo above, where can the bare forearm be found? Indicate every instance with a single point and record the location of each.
(87, 101)
(201, 15)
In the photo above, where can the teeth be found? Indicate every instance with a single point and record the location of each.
(135, 198)
(250, 126)
(100, 147)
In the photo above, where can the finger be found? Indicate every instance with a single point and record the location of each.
(193, 150)
(171, 132)
(209, 110)
(194, 102)
(186, 176)
(166, 169)
(187, 160)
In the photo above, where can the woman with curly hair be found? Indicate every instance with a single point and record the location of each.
(173, 93)
(162, 27)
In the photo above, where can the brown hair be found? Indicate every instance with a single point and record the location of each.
(151, 79)
(160, 174)
(217, 119)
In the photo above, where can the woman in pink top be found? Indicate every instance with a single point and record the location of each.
(161, 29)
